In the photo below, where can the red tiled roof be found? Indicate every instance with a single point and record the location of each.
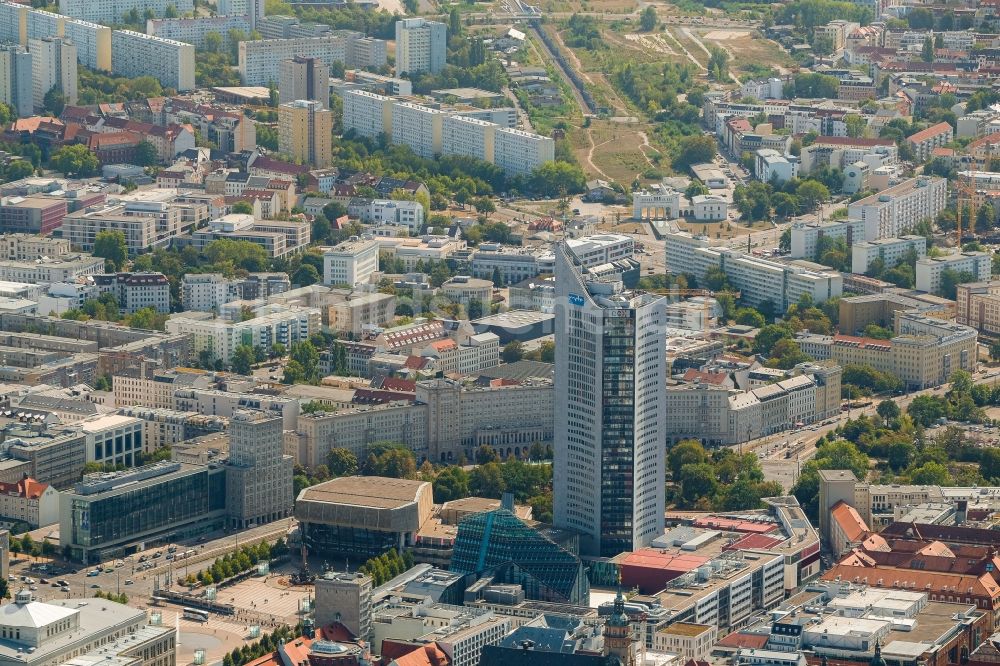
(849, 520)
(717, 378)
(425, 655)
(27, 488)
(930, 132)
(930, 581)
(754, 541)
(988, 140)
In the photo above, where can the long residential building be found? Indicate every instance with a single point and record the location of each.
(717, 415)
(890, 251)
(432, 132)
(15, 79)
(448, 421)
(134, 54)
(757, 279)
(112, 12)
(896, 210)
(220, 337)
(146, 224)
(68, 268)
(19, 23)
(930, 270)
(193, 30)
(260, 60)
(923, 353)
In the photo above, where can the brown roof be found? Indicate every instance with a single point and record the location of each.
(851, 141)
(929, 581)
(931, 131)
(849, 520)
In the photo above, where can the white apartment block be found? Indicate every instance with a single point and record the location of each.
(20, 23)
(29, 501)
(805, 236)
(357, 428)
(519, 153)
(600, 249)
(193, 30)
(418, 127)
(212, 402)
(111, 12)
(259, 60)
(367, 113)
(758, 279)
(134, 54)
(467, 136)
(889, 250)
(930, 269)
(409, 214)
(22, 247)
(430, 132)
(896, 210)
(146, 224)
(207, 292)
(16, 80)
(467, 357)
(53, 64)
(358, 313)
(421, 46)
(135, 291)
(39, 271)
(252, 9)
(350, 263)
(272, 324)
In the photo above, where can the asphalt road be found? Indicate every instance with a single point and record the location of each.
(771, 450)
(128, 575)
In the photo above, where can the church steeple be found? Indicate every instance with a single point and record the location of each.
(877, 659)
(618, 631)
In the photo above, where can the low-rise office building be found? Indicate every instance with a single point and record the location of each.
(350, 263)
(105, 515)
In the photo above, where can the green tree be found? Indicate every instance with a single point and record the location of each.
(927, 50)
(145, 154)
(697, 481)
(687, 452)
(75, 160)
(648, 19)
(696, 150)
(512, 351)
(888, 410)
(487, 481)
(750, 317)
(305, 275)
(54, 101)
(486, 454)
(931, 474)
(900, 454)
(811, 193)
(451, 484)
(243, 359)
(110, 245)
(242, 208)
(342, 462)
(213, 42)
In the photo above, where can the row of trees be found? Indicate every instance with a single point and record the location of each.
(267, 644)
(721, 480)
(387, 566)
(238, 562)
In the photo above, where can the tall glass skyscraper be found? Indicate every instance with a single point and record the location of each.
(610, 442)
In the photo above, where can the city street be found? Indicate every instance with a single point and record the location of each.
(772, 449)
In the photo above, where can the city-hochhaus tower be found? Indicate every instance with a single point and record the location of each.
(609, 411)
